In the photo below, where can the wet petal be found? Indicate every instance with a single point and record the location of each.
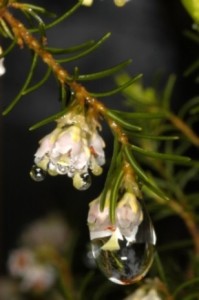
(46, 144)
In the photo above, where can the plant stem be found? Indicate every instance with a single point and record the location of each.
(184, 128)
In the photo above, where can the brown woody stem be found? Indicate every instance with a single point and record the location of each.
(184, 128)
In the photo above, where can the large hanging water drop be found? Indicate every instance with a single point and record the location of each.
(124, 250)
(82, 181)
(37, 174)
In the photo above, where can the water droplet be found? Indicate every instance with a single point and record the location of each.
(86, 177)
(52, 169)
(82, 181)
(123, 251)
(37, 174)
(61, 169)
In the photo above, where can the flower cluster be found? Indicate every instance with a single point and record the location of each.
(51, 232)
(34, 276)
(73, 148)
(34, 267)
(129, 216)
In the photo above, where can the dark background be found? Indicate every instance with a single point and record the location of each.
(149, 32)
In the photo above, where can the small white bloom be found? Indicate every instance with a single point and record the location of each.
(51, 231)
(39, 278)
(19, 261)
(72, 149)
(129, 215)
(127, 220)
(46, 144)
(142, 294)
(2, 68)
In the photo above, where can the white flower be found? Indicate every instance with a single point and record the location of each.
(72, 149)
(39, 278)
(51, 231)
(19, 261)
(128, 218)
(129, 215)
(2, 68)
(142, 294)
(23, 264)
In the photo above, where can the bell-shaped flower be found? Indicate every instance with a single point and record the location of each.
(128, 217)
(38, 278)
(19, 261)
(72, 149)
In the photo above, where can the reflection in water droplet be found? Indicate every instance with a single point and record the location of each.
(61, 169)
(124, 250)
(82, 181)
(86, 180)
(37, 174)
(124, 266)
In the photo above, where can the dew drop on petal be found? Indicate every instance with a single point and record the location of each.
(82, 181)
(37, 174)
(61, 169)
(124, 259)
(86, 178)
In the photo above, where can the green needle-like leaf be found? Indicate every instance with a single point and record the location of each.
(63, 95)
(124, 124)
(154, 137)
(48, 119)
(164, 156)
(118, 89)
(141, 174)
(184, 285)
(187, 106)
(39, 9)
(113, 164)
(166, 99)
(185, 177)
(25, 85)
(87, 51)
(160, 268)
(140, 115)
(39, 84)
(65, 16)
(41, 26)
(114, 194)
(6, 30)
(58, 51)
(104, 73)
(9, 49)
